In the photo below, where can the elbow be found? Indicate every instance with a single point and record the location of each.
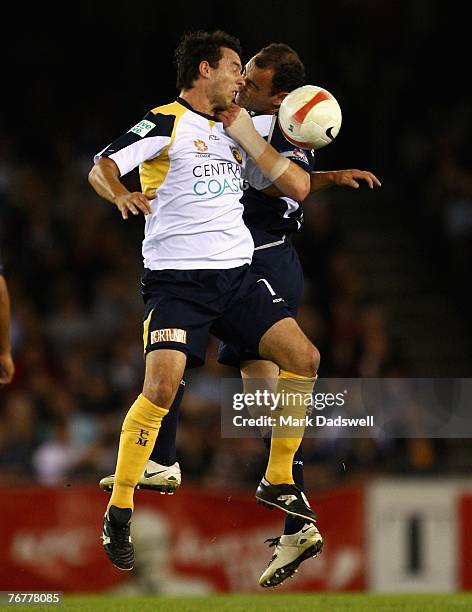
(91, 175)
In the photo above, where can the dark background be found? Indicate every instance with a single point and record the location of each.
(396, 66)
(388, 290)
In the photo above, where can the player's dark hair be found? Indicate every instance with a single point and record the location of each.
(289, 71)
(196, 47)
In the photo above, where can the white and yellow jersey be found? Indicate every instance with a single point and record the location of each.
(192, 171)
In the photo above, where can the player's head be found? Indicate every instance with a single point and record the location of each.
(270, 75)
(211, 62)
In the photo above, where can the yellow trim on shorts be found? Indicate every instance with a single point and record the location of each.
(146, 324)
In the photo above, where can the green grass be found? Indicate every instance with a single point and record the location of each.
(272, 602)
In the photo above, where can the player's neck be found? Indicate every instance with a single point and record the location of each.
(197, 100)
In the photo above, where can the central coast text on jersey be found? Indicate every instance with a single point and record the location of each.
(213, 179)
(192, 171)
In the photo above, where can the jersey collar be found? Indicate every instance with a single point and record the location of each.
(187, 105)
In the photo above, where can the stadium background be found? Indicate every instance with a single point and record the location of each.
(387, 290)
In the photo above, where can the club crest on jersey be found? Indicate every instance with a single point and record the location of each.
(169, 335)
(200, 145)
(300, 154)
(237, 154)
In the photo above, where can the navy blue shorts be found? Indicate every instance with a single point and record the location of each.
(282, 269)
(182, 307)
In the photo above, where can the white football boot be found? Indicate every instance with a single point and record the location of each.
(290, 552)
(155, 477)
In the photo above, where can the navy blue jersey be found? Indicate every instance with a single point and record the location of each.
(269, 218)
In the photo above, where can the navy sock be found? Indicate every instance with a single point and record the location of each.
(164, 451)
(293, 524)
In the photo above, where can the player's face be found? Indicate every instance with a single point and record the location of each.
(256, 95)
(226, 80)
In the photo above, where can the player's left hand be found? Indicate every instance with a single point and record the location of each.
(7, 368)
(351, 178)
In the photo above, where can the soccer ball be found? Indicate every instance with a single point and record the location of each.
(310, 117)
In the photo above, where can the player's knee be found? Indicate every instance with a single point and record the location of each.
(316, 357)
(161, 393)
(307, 361)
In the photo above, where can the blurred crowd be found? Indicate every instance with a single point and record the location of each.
(73, 267)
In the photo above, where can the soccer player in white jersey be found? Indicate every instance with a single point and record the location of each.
(197, 252)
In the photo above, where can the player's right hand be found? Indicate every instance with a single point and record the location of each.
(133, 203)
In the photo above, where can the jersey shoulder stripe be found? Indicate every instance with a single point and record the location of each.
(152, 125)
(168, 116)
(145, 140)
(154, 171)
(173, 108)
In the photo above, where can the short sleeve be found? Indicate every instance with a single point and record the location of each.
(144, 141)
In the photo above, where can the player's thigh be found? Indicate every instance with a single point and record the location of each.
(286, 345)
(164, 371)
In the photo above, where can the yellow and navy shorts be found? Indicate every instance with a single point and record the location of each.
(183, 307)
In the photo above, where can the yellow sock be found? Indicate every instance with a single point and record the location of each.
(138, 435)
(295, 398)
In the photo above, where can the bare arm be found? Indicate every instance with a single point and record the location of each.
(293, 183)
(105, 179)
(342, 178)
(287, 177)
(7, 368)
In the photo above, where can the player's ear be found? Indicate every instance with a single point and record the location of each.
(278, 98)
(204, 69)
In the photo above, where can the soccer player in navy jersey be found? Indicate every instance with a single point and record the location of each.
(272, 218)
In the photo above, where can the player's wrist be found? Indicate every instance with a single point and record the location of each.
(272, 164)
(335, 177)
(243, 131)
(117, 197)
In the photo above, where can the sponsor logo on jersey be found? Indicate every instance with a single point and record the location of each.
(200, 146)
(142, 128)
(169, 335)
(213, 137)
(237, 155)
